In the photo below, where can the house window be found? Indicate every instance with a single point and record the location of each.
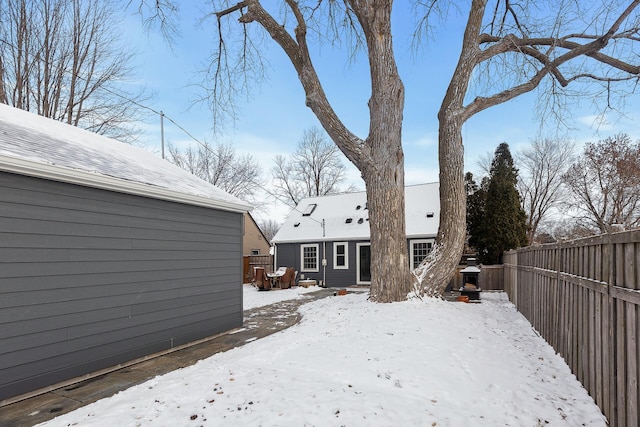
(340, 255)
(310, 208)
(309, 257)
(255, 251)
(419, 250)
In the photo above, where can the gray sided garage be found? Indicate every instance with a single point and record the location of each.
(107, 254)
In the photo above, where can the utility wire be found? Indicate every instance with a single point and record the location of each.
(162, 114)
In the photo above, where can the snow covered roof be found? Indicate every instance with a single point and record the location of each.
(346, 216)
(36, 146)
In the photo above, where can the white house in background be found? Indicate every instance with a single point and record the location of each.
(327, 238)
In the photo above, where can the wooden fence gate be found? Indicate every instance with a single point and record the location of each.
(583, 297)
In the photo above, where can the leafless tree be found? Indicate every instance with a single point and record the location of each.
(484, 162)
(515, 47)
(63, 60)
(513, 37)
(379, 155)
(157, 12)
(564, 229)
(604, 184)
(221, 166)
(269, 228)
(315, 169)
(541, 166)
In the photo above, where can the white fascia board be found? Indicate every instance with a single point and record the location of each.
(323, 239)
(104, 182)
(345, 239)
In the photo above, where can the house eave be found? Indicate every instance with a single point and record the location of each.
(105, 182)
(346, 239)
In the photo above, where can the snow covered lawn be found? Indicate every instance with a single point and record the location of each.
(253, 298)
(350, 362)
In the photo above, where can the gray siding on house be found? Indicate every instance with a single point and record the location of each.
(341, 277)
(91, 278)
(289, 256)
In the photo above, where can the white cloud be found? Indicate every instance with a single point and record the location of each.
(425, 141)
(598, 122)
(414, 175)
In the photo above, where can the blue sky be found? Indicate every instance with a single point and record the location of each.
(273, 120)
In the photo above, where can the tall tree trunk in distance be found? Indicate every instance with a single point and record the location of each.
(3, 93)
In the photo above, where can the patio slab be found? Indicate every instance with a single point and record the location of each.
(258, 323)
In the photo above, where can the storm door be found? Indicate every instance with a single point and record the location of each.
(364, 263)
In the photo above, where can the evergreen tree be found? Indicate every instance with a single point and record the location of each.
(504, 223)
(476, 198)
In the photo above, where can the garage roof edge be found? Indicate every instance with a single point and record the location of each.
(105, 182)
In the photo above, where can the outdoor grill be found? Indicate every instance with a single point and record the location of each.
(470, 281)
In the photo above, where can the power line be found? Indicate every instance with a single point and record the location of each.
(162, 115)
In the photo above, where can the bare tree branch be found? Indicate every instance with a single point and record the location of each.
(542, 165)
(222, 167)
(605, 183)
(61, 60)
(315, 169)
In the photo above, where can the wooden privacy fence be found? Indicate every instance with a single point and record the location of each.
(583, 297)
(491, 277)
(252, 261)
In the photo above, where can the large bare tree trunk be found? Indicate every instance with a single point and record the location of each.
(379, 157)
(382, 159)
(434, 274)
(385, 199)
(437, 269)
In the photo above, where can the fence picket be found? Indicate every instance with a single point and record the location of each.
(583, 297)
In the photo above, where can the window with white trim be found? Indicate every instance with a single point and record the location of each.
(419, 250)
(309, 257)
(340, 255)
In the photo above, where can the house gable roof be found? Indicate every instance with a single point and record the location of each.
(37, 146)
(250, 217)
(346, 216)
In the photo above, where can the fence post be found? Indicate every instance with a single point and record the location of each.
(514, 272)
(611, 320)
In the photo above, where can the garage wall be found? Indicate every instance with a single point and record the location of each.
(91, 278)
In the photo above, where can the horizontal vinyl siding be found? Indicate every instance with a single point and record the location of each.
(341, 277)
(289, 256)
(92, 278)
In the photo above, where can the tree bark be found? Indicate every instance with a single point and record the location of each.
(436, 271)
(382, 160)
(379, 157)
(384, 180)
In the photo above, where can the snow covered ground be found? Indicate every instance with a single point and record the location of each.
(350, 362)
(252, 298)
